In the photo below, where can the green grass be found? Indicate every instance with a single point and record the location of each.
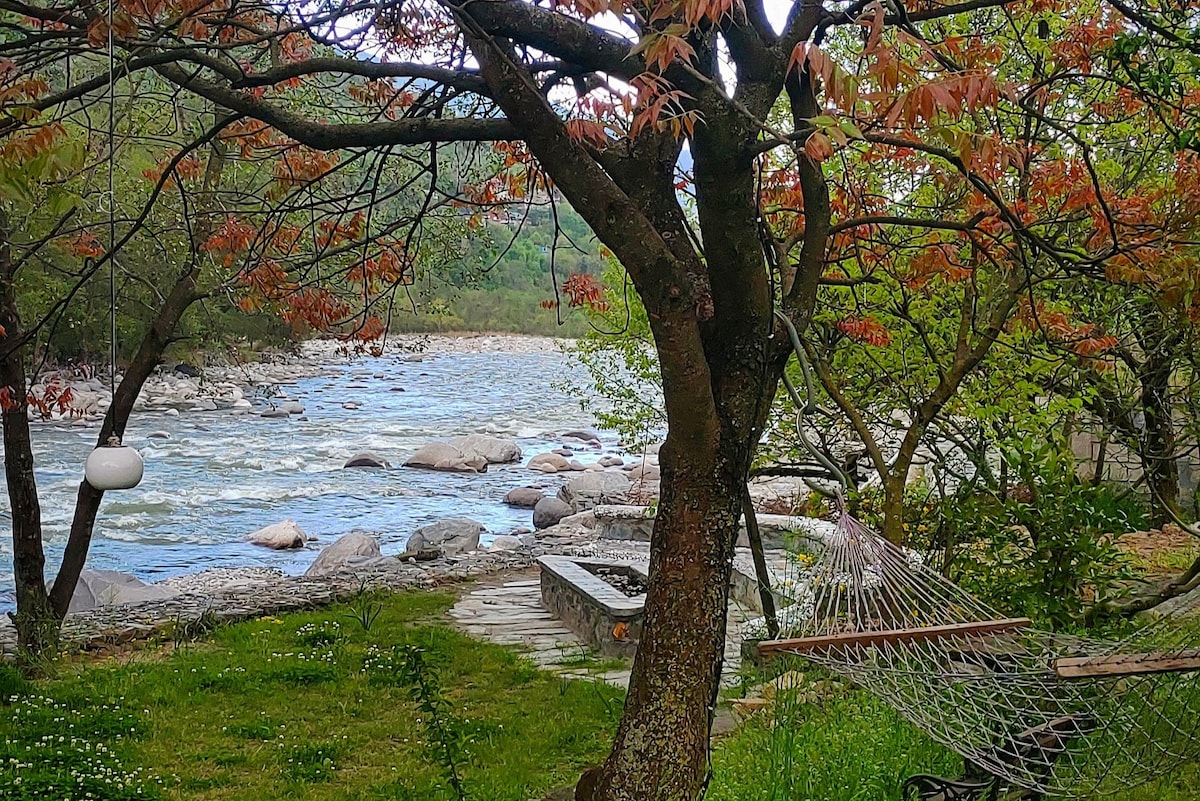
(319, 706)
(309, 706)
(844, 747)
(842, 744)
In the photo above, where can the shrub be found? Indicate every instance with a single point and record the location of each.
(1046, 548)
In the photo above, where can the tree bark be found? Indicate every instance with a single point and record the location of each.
(1158, 455)
(893, 506)
(35, 624)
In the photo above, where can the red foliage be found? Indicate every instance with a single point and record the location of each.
(867, 330)
(231, 240)
(582, 289)
(85, 245)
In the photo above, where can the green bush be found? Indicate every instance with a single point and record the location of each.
(1046, 548)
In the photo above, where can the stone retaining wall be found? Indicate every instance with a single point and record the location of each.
(111, 625)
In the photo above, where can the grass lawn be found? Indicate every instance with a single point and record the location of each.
(843, 744)
(308, 706)
(318, 705)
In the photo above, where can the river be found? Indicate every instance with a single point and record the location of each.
(220, 476)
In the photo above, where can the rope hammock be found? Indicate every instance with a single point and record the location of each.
(1050, 713)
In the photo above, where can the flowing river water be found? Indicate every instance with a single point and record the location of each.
(220, 476)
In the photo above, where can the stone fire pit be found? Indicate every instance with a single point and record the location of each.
(600, 612)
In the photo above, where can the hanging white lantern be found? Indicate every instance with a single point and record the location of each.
(113, 466)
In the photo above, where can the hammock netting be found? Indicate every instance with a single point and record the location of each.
(1051, 713)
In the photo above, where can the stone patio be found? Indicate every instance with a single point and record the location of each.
(507, 609)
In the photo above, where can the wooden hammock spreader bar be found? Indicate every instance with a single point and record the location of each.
(1090, 667)
(869, 639)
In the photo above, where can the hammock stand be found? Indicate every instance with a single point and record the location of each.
(1033, 713)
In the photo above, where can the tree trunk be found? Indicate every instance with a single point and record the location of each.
(36, 627)
(662, 745)
(893, 507)
(1158, 440)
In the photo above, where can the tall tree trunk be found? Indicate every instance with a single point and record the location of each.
(662, 745)
(1158, 440)
(29, 559)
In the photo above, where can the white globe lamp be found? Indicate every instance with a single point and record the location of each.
(113, 466)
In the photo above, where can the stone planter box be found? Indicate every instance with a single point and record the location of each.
(599, 614)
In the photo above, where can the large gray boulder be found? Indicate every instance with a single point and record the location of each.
(494, 449)
(549, 511)
(452, 535)
(353, 547)
(447, 458)
(591, 489)
(109, 587)
(279, 536)
(366, 459)
(524, 497)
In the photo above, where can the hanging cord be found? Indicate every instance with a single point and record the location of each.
(808, 407)
(112, 207)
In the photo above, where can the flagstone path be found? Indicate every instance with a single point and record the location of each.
(507, 609)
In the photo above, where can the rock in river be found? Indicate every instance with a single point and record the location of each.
(524, 497)
(549, 463)
(494, 449)
(366, 459)
(279, 536)
(446, 457)
(107, 587)
(549, 511)
(591, 489)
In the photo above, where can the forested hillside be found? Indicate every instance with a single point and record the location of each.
(506, 276)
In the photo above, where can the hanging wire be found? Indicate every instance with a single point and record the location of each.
(112, 206)
(804, 407)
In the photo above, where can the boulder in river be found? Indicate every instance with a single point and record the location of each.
(278, 414)
(108, 587)
(591, 489)
(524, 497)
(587, 437)
(279, 536)
(452, 535)
(366, 459)
(549, 511)
(353, 547)
(549, 463)
(444, 456)
(186, 370)
(159, 435)
(494, 449)
(292, 407)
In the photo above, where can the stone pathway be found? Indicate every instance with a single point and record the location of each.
(507, 610)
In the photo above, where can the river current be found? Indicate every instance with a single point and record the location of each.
(220, 476)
